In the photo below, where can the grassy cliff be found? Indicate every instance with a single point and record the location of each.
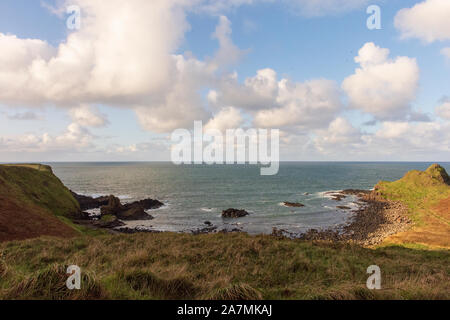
(34, 202)
(427, 195)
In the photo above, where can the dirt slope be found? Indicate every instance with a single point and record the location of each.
(33, 203)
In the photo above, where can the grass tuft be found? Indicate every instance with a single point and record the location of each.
(50, 283)
(178, 288)
(239, 291)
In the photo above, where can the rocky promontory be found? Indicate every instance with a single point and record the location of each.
(111, 206)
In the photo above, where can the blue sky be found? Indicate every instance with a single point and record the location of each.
(276, 35)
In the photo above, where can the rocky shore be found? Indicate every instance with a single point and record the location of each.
(375, 220)
(113, 212)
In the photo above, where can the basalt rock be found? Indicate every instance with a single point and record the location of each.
(146, 204)
(130, 211)
(234, 213)
(293, 204)
(114, 207)
(87, 203)
(135, 212)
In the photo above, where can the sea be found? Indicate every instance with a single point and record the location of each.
(195, 194)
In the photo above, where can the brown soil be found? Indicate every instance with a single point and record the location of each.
(434, 230)
(24, 221)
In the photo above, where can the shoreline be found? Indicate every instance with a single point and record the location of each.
(373, 221)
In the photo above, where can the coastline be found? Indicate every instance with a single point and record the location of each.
(373, 221)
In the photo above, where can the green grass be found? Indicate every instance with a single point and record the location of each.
(418, 190)
(40, 187)
(35, 166)
(219, 266)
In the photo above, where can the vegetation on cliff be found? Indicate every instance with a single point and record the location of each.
(427, 195)
(34, 202)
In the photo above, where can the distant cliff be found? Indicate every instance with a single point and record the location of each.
(34, 202)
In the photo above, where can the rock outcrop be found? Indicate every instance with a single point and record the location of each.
(130, 211)
(438, 173)
(234, 213)
(88, 203)
(111, 206)
(293, 204)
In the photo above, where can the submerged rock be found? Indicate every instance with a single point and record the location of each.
(293, 204)
(234, 213)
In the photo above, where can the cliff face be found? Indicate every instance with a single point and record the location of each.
(33, 203)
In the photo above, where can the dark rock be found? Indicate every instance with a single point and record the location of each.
(208, 223)
(344, 208)
(207, 230)
(87, 203)
(234, 213)
(135, 212)
(110, 223)
(338, 197)
(146, 204)
(130, 211)
(293, 204)
(114, 207)
(355, 192)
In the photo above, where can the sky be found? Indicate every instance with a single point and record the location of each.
(133, 72)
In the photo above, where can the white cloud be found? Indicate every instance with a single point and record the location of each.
(227, 118)
(75, 138)
(258, 92)
(125, 62)
(307, 105)
(382, 87)
(122, 55)
(228, 53)
(443, 111)
(339, 136)
(280, 103)
(412, 138)
(427, 20)
(88, 116)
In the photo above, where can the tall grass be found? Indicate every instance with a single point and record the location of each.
(219, 266)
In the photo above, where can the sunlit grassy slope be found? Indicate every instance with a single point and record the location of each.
(219, 266)
(427, 195)
(34, 202)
